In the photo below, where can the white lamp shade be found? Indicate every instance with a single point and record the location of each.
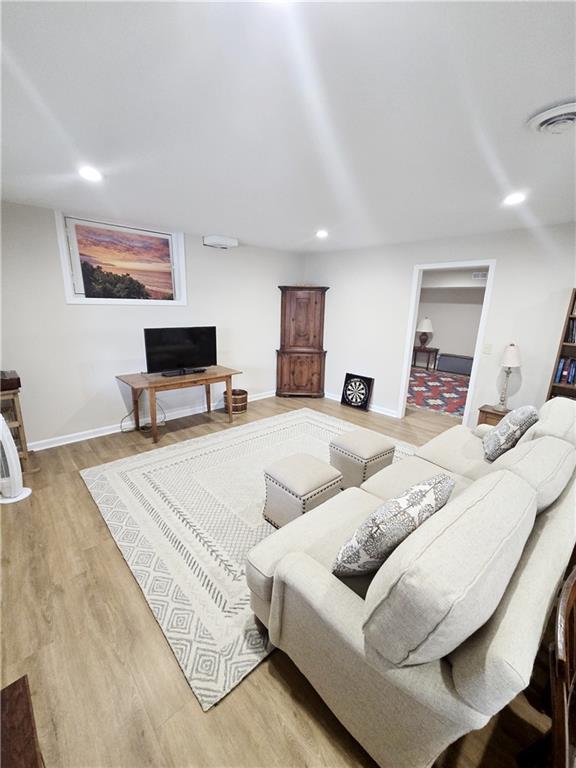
(511, 357)
(425, 326)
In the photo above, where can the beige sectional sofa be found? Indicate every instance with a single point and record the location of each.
(446, 632)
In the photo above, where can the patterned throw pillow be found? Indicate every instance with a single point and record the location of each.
(507, 433)
(390, 524)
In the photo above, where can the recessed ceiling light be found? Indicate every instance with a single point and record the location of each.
(322, 234)
(514, 198)
(89, 173)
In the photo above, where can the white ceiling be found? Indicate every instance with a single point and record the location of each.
(382, 122)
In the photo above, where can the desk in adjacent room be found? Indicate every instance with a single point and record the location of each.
(155, 382)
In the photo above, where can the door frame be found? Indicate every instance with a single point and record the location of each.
(417, 274)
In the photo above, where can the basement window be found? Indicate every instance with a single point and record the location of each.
(105, 263)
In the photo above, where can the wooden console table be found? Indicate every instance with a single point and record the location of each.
(155, 382)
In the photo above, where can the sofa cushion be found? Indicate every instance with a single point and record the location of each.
(392, 522)
(507, 433)
(546, 463)
(557, 419)
(320, 533)
(496, 663)
(393, 480)
(447, 578)
(459, 451)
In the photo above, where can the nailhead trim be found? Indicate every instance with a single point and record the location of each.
(311, 495)
(359, 459)
(302, 499)
(365, 463)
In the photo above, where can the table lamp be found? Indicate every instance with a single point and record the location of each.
(424, 328)
(510, 359)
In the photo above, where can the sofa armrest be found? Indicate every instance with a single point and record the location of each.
(481, 429)
(333, 602)
(314, 612)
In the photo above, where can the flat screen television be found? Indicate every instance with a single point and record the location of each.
(173, 351)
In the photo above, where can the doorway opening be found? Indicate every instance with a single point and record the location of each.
(448, 314)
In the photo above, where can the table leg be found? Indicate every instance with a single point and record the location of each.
(153, 421)
(21, 432)
(229, 397)
(136, 406)
(208, 398)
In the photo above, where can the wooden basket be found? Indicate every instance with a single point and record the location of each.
(239, 401)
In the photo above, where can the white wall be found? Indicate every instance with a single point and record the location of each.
(454, 278)
(68, 355)
(368, 307)
(455, 315)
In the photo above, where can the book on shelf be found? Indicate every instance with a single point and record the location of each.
(563, 374)
(558, 374)
(565, 371)
(571, 333)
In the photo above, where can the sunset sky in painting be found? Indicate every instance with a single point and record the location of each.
(143, 257)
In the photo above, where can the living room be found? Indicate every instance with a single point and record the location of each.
(266, 201)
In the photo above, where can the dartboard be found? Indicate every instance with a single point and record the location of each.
(356, 391)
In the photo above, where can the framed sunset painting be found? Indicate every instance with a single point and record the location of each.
(110, 263)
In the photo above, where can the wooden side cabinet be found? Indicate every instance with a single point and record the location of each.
(300, 359)
(488, 414)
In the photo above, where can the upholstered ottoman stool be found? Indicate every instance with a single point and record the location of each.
(295, 485)
(359, 455)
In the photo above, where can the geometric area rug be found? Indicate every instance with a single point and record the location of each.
(438, 391)
(184, 518)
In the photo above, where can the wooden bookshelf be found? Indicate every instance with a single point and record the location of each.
(566, 351)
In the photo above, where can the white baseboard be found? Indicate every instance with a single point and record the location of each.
(73, 437)
(174, 413)
(384, 411)
(375, 408)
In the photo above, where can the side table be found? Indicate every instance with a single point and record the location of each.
(489, 414)
(12, 412)
(430, 352)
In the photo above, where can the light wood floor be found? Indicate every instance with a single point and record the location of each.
(106, 689)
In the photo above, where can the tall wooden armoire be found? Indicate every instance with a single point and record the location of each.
(300, 359)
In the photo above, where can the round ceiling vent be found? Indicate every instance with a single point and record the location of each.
(558, 119)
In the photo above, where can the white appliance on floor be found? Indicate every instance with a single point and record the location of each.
(11, 486)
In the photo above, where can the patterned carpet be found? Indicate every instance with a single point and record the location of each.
(438, 391)
(185, 516)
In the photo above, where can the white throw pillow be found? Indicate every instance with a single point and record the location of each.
(507, 433)
(387, 527)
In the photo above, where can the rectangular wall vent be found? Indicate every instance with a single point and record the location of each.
(479, 275)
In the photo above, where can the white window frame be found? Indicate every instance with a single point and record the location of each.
(71, 269)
